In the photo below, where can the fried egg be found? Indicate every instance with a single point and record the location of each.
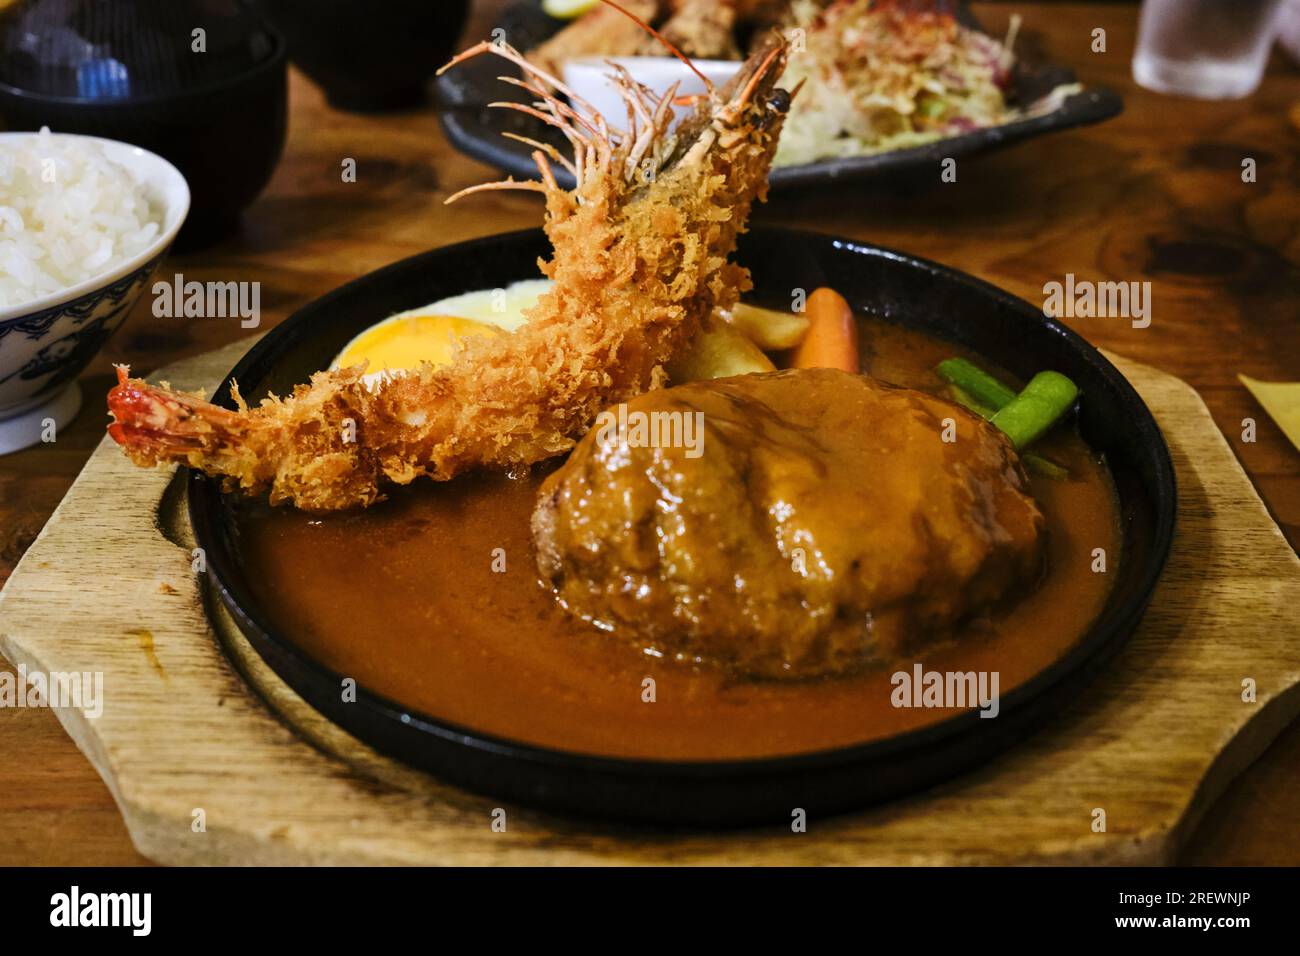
(430, 333)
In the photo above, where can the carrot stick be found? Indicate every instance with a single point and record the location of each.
(832, 338)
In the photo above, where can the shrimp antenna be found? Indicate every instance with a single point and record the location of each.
(708, 85)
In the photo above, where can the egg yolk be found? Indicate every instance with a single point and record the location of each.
(406, 341)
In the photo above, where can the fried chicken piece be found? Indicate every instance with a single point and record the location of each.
(705, 29)
(702, 28)
(602, 31)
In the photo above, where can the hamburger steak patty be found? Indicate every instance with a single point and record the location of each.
(821, 524)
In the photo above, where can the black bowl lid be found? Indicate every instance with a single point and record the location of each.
(128, 49)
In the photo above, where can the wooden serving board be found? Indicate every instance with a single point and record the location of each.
(1152, 741)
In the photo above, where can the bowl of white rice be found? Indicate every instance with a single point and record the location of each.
(83, 224)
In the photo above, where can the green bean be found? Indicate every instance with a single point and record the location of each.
(1034, 462)
(966, 400)
(975, 382)
(1045, 466)
(1039, 406)
(984, 395)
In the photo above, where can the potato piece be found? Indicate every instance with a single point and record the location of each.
(769, 329)
(719, 352)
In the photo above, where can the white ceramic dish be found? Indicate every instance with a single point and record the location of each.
(46, 342)
(590, 78)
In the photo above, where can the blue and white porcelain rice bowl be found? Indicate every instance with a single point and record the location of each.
(84, 223)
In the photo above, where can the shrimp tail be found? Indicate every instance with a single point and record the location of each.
(305, 449)
(157, 424)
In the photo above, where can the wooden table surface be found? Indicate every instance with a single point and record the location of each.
(1155, 195)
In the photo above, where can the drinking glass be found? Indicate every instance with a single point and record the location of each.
(1209, 49)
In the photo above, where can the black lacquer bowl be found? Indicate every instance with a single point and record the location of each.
(369, 57)
(202, 83)
(899, 288)
(477, 130)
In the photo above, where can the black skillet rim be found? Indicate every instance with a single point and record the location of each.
(313, 681)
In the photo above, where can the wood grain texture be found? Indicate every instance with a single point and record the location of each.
(1153, 195)
(1152, 740)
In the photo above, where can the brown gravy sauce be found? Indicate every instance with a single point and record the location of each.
(403, 597)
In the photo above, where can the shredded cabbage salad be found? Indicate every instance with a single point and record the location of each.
(880, 75)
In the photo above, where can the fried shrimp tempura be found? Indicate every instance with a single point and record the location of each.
(641, 248)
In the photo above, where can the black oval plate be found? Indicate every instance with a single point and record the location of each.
(476, 130)
(896, 287)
